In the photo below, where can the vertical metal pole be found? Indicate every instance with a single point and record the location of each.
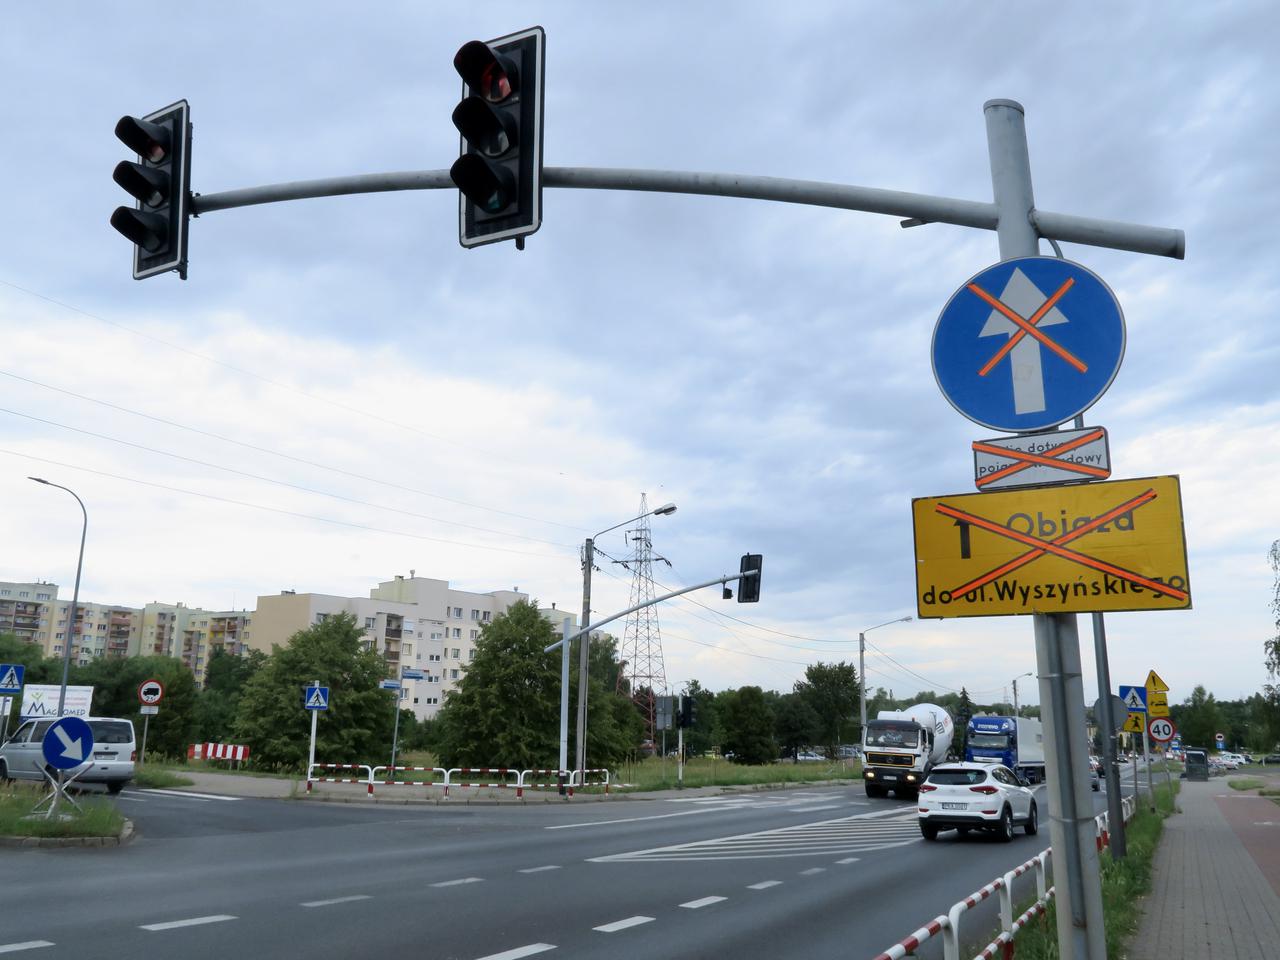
(680, 742)
(1080, 922)
(862, 688)
(1015, 698)
(564, 706)
(1146, 756)
(142, 756)
(584, 656)
(311, 753)
(395, 732)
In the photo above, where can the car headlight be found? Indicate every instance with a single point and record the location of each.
(911, 777)
(871, 774)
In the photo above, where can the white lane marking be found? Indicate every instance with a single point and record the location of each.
(812, 870)
(454, 883)
(329, 903)
(704, 902)
(623, 924)
(135, 795)
(538, 869)
(526, 951)
(188, 793)
(132, 799)
(25, 945)
(848, 860)
(660, 816)
(825, 806)
(193, 922)
(764, 884)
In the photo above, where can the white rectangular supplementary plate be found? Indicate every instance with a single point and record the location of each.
(1056, 456)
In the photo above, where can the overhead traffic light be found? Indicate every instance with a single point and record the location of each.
(749, 587)
(499, 170)
(160, 181)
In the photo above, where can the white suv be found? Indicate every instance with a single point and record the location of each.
(114, 753)
(976, 796)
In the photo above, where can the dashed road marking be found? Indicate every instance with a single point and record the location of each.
(186, 794)
(660, 816)
(528, 950)
(455, 883)
(764, 884)
(848, 860)
(704, 902)
(539, 869)
(193, 922)
(812, 870)
(25, 945)
(825, 806)
(329, 903)
(622, 924)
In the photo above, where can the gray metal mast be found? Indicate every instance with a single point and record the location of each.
(642, 637)
(1077, 877)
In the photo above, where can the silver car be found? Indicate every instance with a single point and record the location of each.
(114, 752)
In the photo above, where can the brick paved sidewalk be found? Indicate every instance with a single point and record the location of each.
(1209, 897)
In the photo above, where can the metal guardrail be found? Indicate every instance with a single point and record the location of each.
(384, 776)
(948, 925)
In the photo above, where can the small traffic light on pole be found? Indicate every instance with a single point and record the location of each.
(160, 181)
(749, 587)
(688, 711)
(499, 170)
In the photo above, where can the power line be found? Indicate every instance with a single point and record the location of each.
(276, 453)
(287, 513)
(282, 483)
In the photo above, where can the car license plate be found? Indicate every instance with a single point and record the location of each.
(104, 756)
(889, 776)
(954, 806)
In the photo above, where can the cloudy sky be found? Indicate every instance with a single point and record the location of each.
(340, 393)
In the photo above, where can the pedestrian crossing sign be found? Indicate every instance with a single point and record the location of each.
(11, 678)
(1135, 723)
(317, 698)
(1135, 698)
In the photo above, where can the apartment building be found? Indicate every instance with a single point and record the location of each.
(26, 609)
(192, 634)
(99, 630)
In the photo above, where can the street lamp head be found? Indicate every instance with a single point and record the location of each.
(665, 510)
(39, 480)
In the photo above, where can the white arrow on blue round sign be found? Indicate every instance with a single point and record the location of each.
(67, 743)
(1028, 344)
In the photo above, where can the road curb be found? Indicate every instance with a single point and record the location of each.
(125, 836)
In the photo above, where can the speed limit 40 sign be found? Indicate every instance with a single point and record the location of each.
(150, 692)
(1161, 729)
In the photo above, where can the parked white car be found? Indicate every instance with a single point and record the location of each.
(976, 796)
(114, 753)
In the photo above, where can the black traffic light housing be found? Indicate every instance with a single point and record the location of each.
(160, 182)
(499, 170)
(749, 587)
(688, 711)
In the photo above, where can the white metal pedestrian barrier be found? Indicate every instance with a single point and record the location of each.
(446, 777)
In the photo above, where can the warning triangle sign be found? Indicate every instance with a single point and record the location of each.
(1154, 682)
(10, 678)
(318, 698)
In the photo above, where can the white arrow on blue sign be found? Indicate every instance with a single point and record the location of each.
(1028, 344)
(11, 679)
(67, 743)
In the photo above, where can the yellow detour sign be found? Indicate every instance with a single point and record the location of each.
(1157, 703)
(1135, 723)
(1086, 547)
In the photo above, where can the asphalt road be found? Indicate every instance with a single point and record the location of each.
(795, 873)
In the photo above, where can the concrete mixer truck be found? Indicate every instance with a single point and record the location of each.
(900, 747)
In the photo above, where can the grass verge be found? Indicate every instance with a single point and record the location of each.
(653, 774)
(98, 817)
(1123, 882)
(1246, 783)
(148, 776)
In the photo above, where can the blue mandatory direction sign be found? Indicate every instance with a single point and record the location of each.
(1028, 344)
(67, 743)
(11, 679)
(316, 698)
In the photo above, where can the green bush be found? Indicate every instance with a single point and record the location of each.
(97, 817)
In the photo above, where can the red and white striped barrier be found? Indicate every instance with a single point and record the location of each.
(367, 779)
(491, 771)
(907, 945)
(217, 751)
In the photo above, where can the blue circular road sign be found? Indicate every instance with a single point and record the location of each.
(67, 743)
(1028, 344)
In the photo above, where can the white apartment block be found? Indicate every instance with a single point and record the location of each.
(26, 610)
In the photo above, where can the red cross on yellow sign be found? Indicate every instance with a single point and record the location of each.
(1065, 549)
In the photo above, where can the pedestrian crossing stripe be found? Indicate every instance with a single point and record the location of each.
(10, 680)
(859, 833)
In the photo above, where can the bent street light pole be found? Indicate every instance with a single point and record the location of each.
(584, 650)
(862, 676)
(75, 594)
(1015, 691)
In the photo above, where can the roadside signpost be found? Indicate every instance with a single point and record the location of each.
(10, 686)
(150, 693)
(67, 744)
(314, 698)
(393, 685)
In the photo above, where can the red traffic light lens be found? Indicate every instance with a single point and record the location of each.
(489, 74)
(495, 85)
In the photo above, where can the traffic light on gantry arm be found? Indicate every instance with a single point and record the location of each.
(160, 182)
(499, 171)
(749, 587)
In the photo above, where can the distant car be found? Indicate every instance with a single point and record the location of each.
(114, 752)
(807, 755)
(1095, 777)
(1271, 758)
(976, 796)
